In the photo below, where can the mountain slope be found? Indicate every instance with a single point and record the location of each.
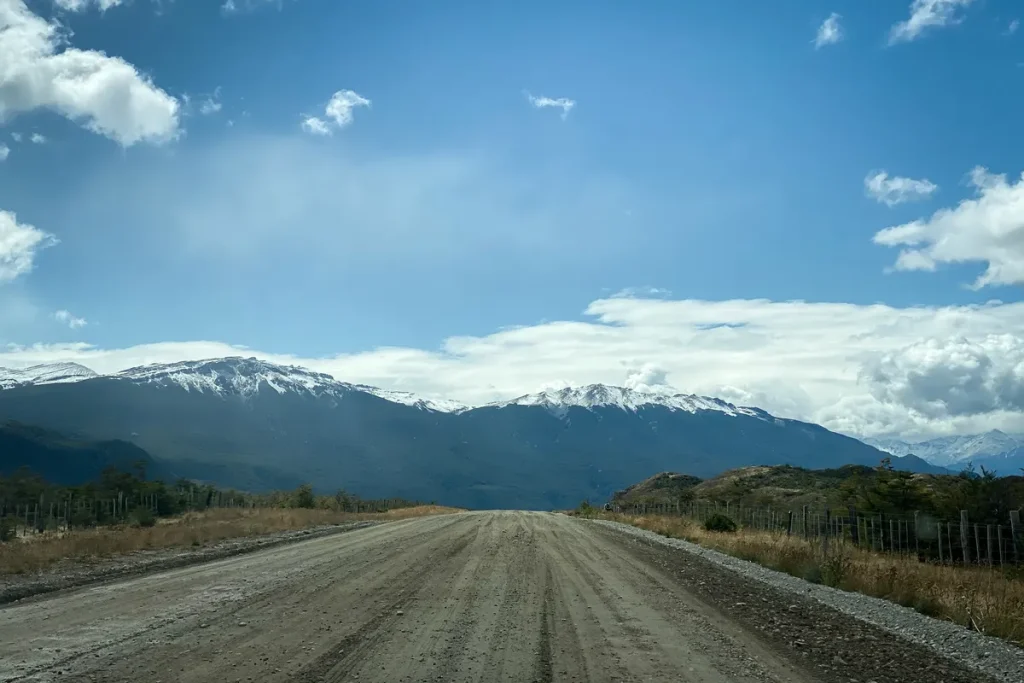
(257, 425)
(995, 450)
(63, 460)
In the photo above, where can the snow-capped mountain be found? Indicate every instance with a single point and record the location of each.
(48, 373)
(254, 425)
(237, 376)
(558, 402)
(950, 451)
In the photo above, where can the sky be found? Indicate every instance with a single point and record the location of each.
(815, 207)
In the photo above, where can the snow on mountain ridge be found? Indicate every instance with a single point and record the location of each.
(244, 376)
(592, 396)
(46, 373)
(951, 450)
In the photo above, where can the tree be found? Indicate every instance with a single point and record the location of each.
(304, 497)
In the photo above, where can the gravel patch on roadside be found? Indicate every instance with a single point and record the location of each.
(987, 655)
(76, 573)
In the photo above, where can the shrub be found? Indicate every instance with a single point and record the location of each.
(304, 497)
(836, 564)
(585, 509)
(720, 523)
(143, 517)
(7, 530)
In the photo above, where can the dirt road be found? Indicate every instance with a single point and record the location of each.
(490, 596)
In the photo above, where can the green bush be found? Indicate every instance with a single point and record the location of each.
(303, 497)
(720, 523)
(585, 509)
(7, 530)
(143, 517)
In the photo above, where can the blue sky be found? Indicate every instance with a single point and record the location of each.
(716, 152)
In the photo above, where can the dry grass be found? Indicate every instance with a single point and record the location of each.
(990, 601)
(193, 529)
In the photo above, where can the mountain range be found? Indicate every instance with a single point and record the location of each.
(994, 450)
(255, 425)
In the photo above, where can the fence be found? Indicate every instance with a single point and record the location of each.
(63, 514)
(919, 535)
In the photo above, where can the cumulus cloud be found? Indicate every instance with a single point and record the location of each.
(337, 113)
(863, 370)
(72, 321)
(988, 228)
(107, 95)
(1012, 27)
(830, 32)
(650, 378)
(926, 15)
(19, 243)
(5, 152)
(16, 137)
(939, 378)
(38, 139)
(563, 103)
(897, 190)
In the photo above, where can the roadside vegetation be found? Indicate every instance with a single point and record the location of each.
(985, 497)
(989, 599)
(42, 525)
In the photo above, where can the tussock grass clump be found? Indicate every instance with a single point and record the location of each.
(987, 600)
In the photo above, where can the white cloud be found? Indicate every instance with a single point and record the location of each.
(315, 126)
(339, 108)
(865, 370)
(1012, 27)
(988, 228)
(72, 321)
(38, 139)
(897, 190)
(338, 113)
(925, 15)
(5, 152)
(952, 377)
(82, 5)
(107, 95)
(230, 7)
(563, 103)
(19, 243)
(830, 32)
(16, 137)
(212, 104)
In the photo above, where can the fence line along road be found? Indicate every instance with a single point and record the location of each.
(929, 539)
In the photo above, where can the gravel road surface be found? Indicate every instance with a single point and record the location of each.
(483, 596)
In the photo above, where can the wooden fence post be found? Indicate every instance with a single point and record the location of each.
(964, 534)
(977, 544)
(988, 543)
(917, 536)
(1015, 534)
(789, 524)
(939, 529)
(999, 542)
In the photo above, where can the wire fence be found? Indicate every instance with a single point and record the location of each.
(62, 514)
(917, 534)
